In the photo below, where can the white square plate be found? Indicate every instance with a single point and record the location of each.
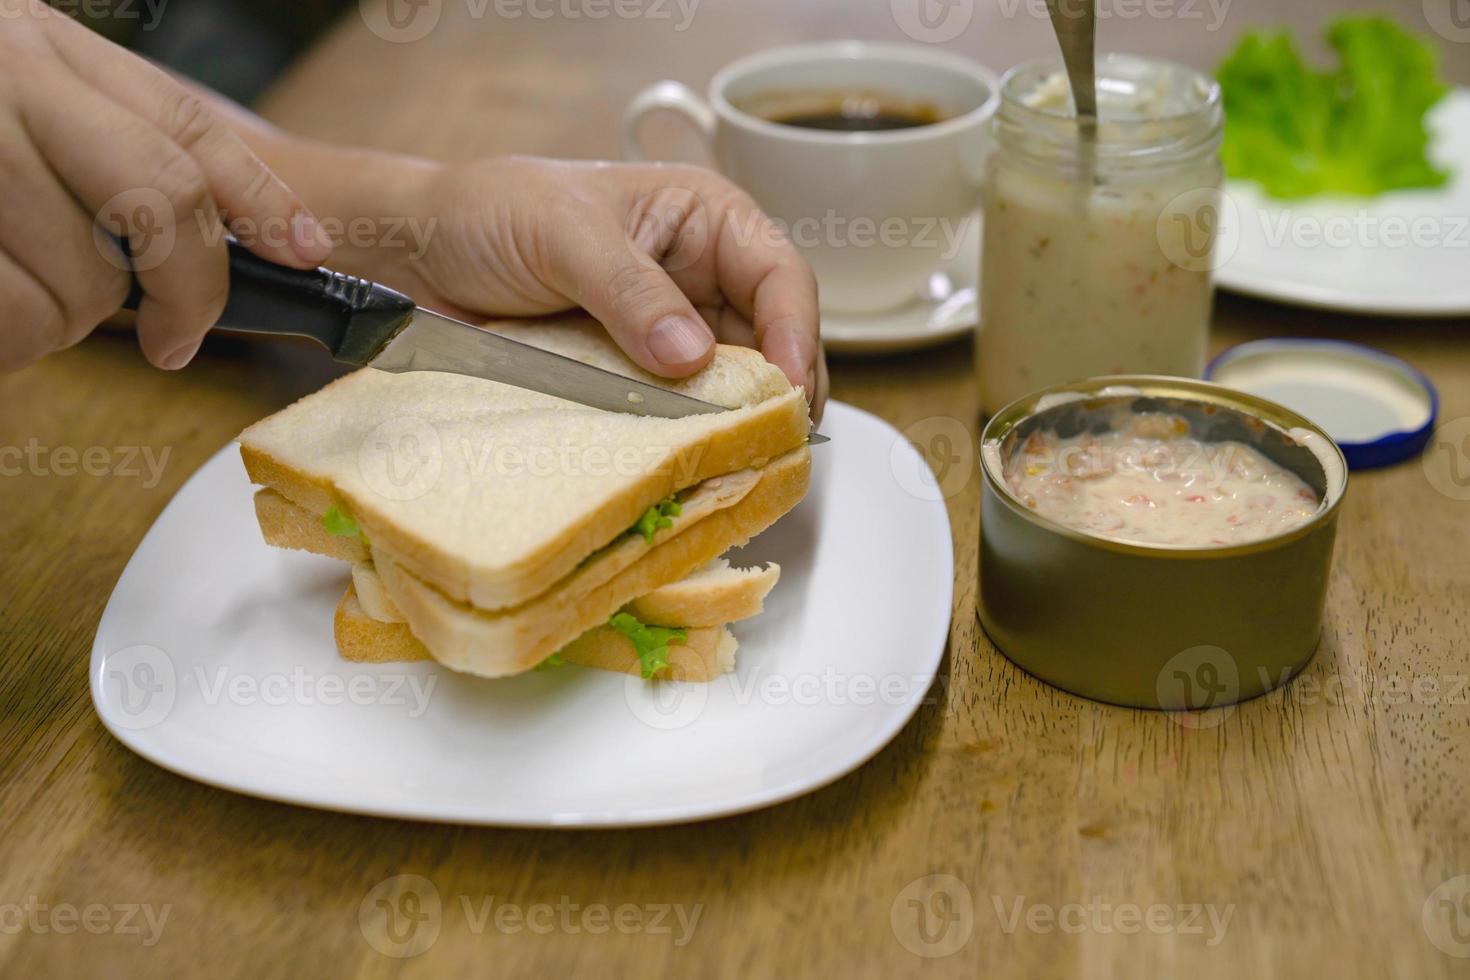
(215, 659)
(1401, 253)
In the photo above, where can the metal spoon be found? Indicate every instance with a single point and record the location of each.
(1075, 23)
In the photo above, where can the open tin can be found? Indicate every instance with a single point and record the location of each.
(1156, 626)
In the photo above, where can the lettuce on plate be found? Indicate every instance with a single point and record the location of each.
(1357, 129)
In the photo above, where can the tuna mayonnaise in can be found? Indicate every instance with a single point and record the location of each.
(1156, 542)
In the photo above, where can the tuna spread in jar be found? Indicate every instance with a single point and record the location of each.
(1096, 266)
(1150, 482)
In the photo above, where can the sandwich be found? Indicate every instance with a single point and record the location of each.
(495, 530)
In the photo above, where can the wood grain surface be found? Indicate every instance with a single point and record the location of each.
(1307, 833)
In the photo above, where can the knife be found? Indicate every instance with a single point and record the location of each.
(367, 324)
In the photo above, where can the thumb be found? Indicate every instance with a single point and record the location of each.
(648, 316)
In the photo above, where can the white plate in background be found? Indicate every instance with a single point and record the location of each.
(1358, 255)
(215, 659)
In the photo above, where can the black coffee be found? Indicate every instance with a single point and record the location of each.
(846, 112)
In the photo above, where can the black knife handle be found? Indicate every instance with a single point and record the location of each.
(353, 318)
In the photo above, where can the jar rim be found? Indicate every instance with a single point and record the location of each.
(1139, 142)
(1122, 69)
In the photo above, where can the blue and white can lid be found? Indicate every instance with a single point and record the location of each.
(1378, 408)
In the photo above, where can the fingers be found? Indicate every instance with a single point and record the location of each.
(240, 182)
(784, 314)
(758, 272)
(634, 298)
(33, 318)
(145, 188)
(50, 238)
(819, 400)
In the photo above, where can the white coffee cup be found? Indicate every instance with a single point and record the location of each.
(874, 212)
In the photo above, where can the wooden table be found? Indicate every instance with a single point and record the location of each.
(1320, 819)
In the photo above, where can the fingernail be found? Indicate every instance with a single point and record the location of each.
(308, 238)
(182, 356)
(678, 340)
(811, 383)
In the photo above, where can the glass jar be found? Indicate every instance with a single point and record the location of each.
(1099, 265)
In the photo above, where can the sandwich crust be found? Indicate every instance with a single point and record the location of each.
(365, 640)
(495, 644)
(710, 596)
(285, 525)
(706, 653)
(497, 543)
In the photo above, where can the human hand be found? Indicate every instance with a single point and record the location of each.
(668, 258)
(96, 144)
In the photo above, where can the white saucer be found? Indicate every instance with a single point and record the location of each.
(923, 322)
(1360, 256)
(215, 659)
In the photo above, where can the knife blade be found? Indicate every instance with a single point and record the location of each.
(370, 325)
(429, 341)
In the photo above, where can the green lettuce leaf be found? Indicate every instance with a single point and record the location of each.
(660, 515)
(651, 642)
(1358, 129)
(551, 662)
(340, 524)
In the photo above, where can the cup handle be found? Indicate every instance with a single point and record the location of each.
(674, 96)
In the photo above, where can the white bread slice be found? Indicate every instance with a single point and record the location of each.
(285, 525)
(493, 494)
(495, 644)
(366, 640)
(375, 601)
(706, 653)
(709, 596)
